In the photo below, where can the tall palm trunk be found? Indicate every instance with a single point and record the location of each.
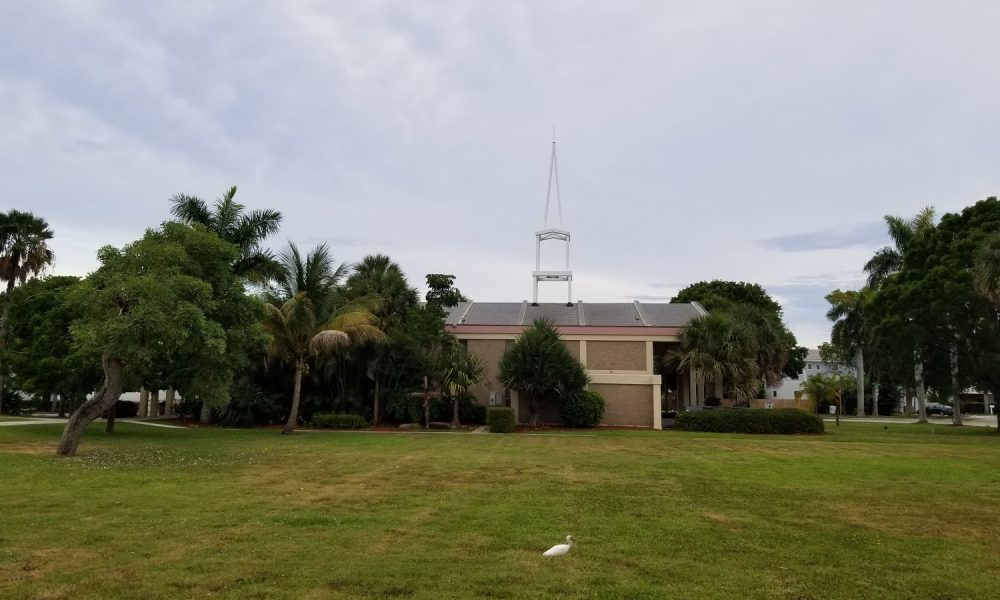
(875, 399)
(293, 415)
(454, 411)
(377, 408)
(859, 363)
(956, 394)
(918, 378)
(100, 402)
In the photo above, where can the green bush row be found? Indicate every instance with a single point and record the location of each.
(501, 419)
(338, 421)
(750, 420)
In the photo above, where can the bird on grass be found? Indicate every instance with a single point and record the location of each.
(560, 549)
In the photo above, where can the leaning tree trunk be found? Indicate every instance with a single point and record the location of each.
(918, 378)
(101, 401)
(293, 414)
(454, 412)
(859, 363)
(956, 394)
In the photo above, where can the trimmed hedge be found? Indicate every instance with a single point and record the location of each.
(582, 410)
(750, 420)
(338, 421)
(501, 419)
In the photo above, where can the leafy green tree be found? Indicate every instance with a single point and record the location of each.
(39, 348)
(540, 367)
(231, 222)
(24, 253)
(378, 278)
(778, 351)
(442, 293)
(307, 315)
(159, 296)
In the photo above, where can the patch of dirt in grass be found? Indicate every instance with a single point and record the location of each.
(35, 448)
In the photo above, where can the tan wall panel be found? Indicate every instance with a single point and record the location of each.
(490, 352)
(630, 405)
(625, 356)
(574, 348)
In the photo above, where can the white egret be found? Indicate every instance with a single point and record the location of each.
(560, 549)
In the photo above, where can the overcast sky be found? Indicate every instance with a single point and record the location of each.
(758, 141)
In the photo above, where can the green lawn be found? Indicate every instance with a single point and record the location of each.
(863, 512)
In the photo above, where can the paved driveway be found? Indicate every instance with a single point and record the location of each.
(971, 420)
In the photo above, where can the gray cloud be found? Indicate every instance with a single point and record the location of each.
(833, 238)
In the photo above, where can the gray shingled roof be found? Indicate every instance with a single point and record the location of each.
(620, 314)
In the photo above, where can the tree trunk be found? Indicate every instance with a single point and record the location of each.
(718, 389)
(53, 401)
(101, 401)
(154, 404)
(918, 378)
(427, 411)
(956, 394)
(859, 363)
(143, 402)
(454, 412)
(1, 394)
(875, 399)
(536, 413)
(168, 406)
(377, 408)
(109, 427)
(205, 417)
(293, 414)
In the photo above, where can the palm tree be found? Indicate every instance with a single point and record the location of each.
(378, 277)
(307, 315)
(724, 349)
(850, 332)
(24, 248)
(888, 261)
(461, 370)
(230, 221)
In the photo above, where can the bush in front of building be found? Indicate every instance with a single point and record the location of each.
(750, 420)
(338, 421)
(582, 410)
(501, 419)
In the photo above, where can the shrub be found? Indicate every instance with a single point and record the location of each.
(501, 419)
(126, 410)
(582, 410)
(750, 420)
(336, 421)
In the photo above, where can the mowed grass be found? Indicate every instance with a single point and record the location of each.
(862, 512)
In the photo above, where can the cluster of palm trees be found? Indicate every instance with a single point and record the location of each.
(335, 317)
(923, 303)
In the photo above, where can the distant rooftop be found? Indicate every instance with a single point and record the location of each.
(620, 314)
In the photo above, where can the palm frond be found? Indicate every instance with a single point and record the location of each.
(190, 209)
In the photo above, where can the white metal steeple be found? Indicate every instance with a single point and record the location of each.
(552, 233)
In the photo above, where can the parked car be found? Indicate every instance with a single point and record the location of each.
(934, 408)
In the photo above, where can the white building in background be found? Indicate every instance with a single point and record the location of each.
(814, 366)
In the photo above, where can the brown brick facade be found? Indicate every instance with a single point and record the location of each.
(625, 404)
(617, 356)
